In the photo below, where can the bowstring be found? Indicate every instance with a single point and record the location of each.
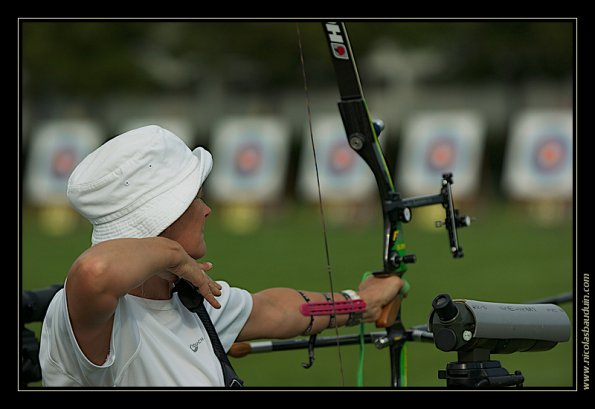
(322, 218)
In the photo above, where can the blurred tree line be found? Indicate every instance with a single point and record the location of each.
(94, 58)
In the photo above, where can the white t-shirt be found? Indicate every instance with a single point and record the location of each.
(154, 343)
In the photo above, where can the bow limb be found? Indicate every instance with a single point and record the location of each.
(362, 135)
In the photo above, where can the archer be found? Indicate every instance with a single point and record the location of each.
(126, 316)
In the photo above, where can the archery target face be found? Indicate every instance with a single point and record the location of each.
(344, 176)
(550, 154)
(341, 157)
(539, 156)
(441, 154)
(248, 159)
(250, 155)
(56, 148)
(63, 162)
(436, 143)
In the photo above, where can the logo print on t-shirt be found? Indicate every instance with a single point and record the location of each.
(194, 347)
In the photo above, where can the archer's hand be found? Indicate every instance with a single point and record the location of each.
(195, 272)
(378, 292)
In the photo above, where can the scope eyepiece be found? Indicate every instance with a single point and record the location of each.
(445, 307)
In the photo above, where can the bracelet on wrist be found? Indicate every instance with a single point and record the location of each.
(354, 318)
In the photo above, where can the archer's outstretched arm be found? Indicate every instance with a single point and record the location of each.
(276, 311)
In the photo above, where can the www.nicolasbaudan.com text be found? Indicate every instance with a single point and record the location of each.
(585, 331)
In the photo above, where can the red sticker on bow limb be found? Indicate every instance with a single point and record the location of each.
(339, 51)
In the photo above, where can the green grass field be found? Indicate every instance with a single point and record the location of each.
(508, 258)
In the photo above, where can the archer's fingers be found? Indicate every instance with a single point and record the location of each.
(210, 290)
(206, 266)
(206, 286)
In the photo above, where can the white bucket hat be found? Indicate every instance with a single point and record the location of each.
(138, 183)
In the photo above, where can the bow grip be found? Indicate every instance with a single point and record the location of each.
(391, 310)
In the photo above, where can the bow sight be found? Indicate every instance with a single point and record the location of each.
(400, 209)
